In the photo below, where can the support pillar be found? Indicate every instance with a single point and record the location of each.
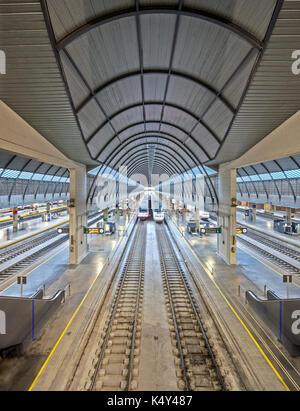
(197, 218)
(184, 213)
(227, 215)
(105, 215)
(15, 219)
(78, 215)
(253, 215)
(48, 215)
(289, 215)
(117, 214)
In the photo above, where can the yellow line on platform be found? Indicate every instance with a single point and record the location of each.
(33, 234)
(66, 329)
(235, 313)
(73, 316)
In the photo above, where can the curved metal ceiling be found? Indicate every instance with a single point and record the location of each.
(157, 77)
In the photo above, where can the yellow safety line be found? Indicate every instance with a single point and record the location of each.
(71, 320)
(35, 268)
(238, 317)
(32, 214)
(32, 235)
(66, 328)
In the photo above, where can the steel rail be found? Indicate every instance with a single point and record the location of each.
(193, 304)
(132, 250)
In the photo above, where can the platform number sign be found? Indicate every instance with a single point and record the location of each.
(240, 230)
(211, 230)
(93, 230)
(296, 322)
(64, 230)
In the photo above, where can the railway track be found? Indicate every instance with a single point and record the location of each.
(116, 363)
(41, 245)
(197, 367)
(264, 244)
(263, 247)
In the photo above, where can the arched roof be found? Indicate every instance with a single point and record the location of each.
(170, 74)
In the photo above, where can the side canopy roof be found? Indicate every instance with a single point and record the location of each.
(156, 85)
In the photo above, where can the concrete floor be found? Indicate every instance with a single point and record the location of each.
(266, 226)
(233, 315)
(18, 374)
(29, 228)
(249, 273)
(53, 273)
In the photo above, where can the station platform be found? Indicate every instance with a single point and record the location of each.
(61, 360)
(249, 273)
(31, 228)
(220, 284)
(266, 226)
(54, 273)
(69, 326)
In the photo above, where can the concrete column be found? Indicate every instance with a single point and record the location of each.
(48, 215)
(78, 215)
(117, 214)
(15, 219)
(197, 219)
(253, 215)
(105, 215)
(227, 215)
(288, 215)
(171, 206)
(184, 213)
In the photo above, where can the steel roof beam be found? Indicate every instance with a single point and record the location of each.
(155, 103)
(262, 181)
(203, 171)
(245, 171)
(254, 68)
(132, 12)
(92, 95)
(238, 173)
(275, 184)
(167, 137)
(29, 181)
(171, 61)
(140, 167)
(159, 150)
(141, 58)
(167, 124)
(171, 168)
(288, 180)
(294, 161)
(129, 152)
(217, 94)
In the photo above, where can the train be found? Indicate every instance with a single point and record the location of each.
(151, 207)
(158, 213)
(143, 212)
(30, 207)
(204, 215)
